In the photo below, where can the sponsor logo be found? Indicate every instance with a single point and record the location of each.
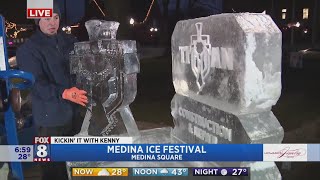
(287, 152)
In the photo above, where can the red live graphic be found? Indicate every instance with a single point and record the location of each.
(39, 12)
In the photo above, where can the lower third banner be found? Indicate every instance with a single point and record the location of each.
(156, 152)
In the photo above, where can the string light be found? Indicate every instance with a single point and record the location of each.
(75, 26)
(13, 26)
(148, 13)
(144, 20)
(99, 7)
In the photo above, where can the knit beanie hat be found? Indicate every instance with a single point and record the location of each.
(56, 9)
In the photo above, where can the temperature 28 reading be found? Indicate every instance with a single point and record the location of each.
(24, 156)
(118, 171)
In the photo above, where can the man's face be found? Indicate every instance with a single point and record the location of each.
(50, 25)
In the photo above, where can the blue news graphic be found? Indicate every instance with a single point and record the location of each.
(41, 152)
(156, 152)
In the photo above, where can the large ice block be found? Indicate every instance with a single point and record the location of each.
(198, 123)
(227, 75)
(230, 61)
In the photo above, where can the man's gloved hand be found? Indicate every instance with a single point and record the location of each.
(75, 95)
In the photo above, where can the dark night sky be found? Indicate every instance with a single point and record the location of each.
(248, 6)
(139, 8)
(14, 10)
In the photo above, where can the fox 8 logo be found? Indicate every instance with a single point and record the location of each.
(42, 149)
(42, 152)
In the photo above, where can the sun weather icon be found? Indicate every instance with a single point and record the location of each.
(103, 172)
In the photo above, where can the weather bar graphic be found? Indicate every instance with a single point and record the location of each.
(99, 172)
(221, 171)
(160, 171)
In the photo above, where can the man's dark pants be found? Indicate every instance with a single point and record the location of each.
(55, 170)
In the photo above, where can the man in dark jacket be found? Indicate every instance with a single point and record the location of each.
(46, 56)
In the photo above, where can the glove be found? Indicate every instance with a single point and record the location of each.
(75, 95)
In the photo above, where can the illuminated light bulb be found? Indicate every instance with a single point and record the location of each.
(131, 21)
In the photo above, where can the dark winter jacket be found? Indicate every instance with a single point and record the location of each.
(47, 58)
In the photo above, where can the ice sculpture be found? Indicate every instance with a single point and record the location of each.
(230, 61)
(227, 75)
(107, 69)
